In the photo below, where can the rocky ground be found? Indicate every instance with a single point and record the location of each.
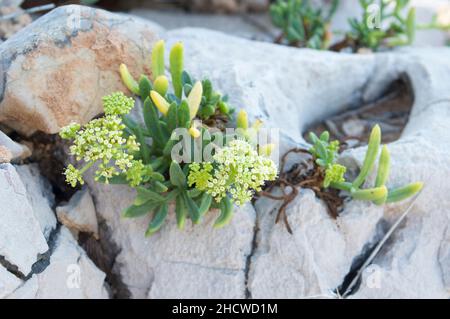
(56, 70)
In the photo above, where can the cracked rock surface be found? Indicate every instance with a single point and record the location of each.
(39, 259)
(252, 257)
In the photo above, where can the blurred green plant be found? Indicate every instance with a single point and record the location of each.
(325, 155)
(127, 152)
(384, 23)
(302, 25)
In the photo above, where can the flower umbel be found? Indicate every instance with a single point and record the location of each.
(237, 170)
(69, 131)
(73, 176)
(102, 140)
(117, 104)
(334, 174)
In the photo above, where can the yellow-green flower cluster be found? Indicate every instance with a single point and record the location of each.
(70, 131)
(103, 140)
(237, 170)
(117, 104)
(73, 176)
(334, 174)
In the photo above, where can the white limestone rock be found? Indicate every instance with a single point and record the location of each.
(79, 213)
(21, 239)
(70, 275)
(40, 196)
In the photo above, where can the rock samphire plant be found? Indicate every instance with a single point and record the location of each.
(124, 151)
(325, 156)
(301, 23)
(384, 23)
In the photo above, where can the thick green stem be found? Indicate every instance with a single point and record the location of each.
(343, 186)
(86, 167)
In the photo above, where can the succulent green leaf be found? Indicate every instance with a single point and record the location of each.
(371, 156)
(158, 220)
(137, 211)
(184, 115)
(144, 87)
(151, 120)
(161, 85)
(226, 213)
(205, 203)
(383, 167)
(159, 187)
(192, 208)
(177, 177)
(404, 192)
(158, 59)
(176, 68)
(180, 211)
(144, 195)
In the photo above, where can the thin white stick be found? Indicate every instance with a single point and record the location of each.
(380, 245)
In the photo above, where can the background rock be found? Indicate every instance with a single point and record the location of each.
(147, 265)
(21, 239)
(56, 70)
(79, 213)
(39, 195)
(17, 151)
(70, 275)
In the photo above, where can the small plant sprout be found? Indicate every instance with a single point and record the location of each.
(325, 155)
(383, 24)
(302, 25)
(124, 151)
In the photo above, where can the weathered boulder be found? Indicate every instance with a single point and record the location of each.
(39, 195)
(290, 92)
(197, 262)
(79, 213)
(37, 259)
(21, 239)
(70, 274)
(56, 70)
(12, 151)
(8, 282)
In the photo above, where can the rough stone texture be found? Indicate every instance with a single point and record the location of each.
(302, 86)
(21, 239)
(314, 259)
(5, 155)
(56, 70)
(79, 213)
(16, 151)
(70, 275)
(39, 195)
(218, 256)
(8, 282)
(290, 92)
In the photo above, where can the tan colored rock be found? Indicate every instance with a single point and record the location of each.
(79, 214)
(12, 151)
(58, 68)
(5, 154)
